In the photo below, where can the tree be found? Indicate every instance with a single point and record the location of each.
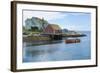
(44, 23)
(34, 28)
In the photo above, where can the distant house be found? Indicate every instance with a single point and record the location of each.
(28, 24)
(36, 22)
(52, 28)
(65, 30)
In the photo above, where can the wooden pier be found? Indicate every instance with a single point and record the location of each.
(54, 36)
(59, 36)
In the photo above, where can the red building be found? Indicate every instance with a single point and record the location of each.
(52, 28)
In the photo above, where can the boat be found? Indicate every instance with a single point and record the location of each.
(72, 41)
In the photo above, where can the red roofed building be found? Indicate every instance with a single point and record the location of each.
(52, 28)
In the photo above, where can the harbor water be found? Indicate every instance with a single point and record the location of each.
(58, 51)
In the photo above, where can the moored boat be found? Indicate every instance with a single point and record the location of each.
(72, 41)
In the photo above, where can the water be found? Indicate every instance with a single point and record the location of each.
(58, 51)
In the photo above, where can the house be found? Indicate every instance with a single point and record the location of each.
(52, 28)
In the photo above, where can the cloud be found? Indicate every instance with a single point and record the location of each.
(43, 14)
(69, 20)
(78, 28)
(78, 13)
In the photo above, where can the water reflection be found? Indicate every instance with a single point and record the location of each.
(37, 51)
(57, 50)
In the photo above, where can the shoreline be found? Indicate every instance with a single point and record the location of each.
(47, 38)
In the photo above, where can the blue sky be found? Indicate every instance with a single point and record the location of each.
(70, 20)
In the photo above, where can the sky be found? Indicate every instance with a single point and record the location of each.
(66, 20)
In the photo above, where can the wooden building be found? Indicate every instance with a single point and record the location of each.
(52, 28)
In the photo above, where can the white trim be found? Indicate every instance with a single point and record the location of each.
(21, 65)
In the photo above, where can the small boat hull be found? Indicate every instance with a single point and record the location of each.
(72, 41)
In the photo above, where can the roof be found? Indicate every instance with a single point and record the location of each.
(54, 26)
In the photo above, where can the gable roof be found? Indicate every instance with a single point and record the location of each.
(55, 26)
